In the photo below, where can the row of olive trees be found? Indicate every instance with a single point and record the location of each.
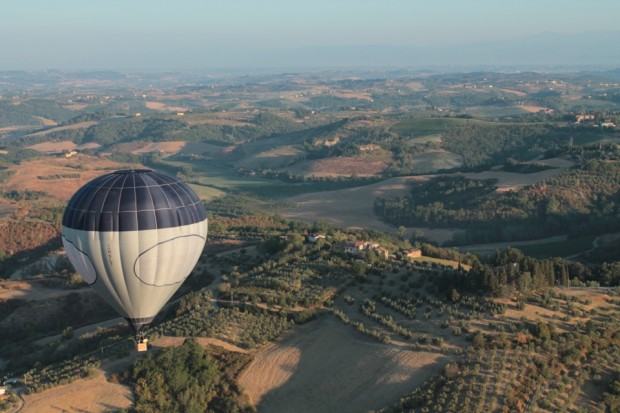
(37, 380)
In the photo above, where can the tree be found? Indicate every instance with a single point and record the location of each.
(479, 341)
(542, 331)
(524, 282)
(610, 273)
(358, 268)
(564, 277)
(177, 379)
(224, 288)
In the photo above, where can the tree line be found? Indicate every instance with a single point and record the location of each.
(579, 201)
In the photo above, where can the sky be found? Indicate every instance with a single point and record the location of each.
(195, 34)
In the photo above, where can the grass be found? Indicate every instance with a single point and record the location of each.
(282, 190)
(213, 179)
(499, 112)
(416, 127)
(594, 135)
(427, 139)
(435, 161)
(558, 249)
(272, 158)
(206, 193)
(440, 261)
(216, 175)
(345, 166)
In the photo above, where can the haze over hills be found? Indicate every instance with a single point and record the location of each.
(542, 51)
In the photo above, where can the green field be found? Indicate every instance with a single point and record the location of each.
(431, 162)
(426, 139)
(212, 179)
(495, 111)
(281, 190)
(558, 249)
(215, 175)
(416, 127)
(206, 193)
(440, 261)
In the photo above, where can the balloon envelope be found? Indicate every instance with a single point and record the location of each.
(134, 236)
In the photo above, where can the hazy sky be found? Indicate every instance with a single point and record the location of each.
(190, 34)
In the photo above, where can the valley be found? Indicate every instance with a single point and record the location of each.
(378, 241)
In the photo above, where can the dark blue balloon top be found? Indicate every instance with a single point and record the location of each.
(133, 200)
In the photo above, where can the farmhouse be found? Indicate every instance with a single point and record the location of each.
(413, 253)
(585, 117)
(382, 252)
(351, 247)
(355, 247)
(314, 237)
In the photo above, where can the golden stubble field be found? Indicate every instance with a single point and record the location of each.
(327, 367)
(91, 395)
(88, 167)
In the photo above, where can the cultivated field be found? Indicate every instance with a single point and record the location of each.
(433, 161)
(46, 121)
(164, 107)
(323, 366)
(511, 179)
(163, 342)
(32, 291)
(342, 166)
(352, 206)
(533, 109)
(490, 248)
(416, 127)
(213, 174)
(90, 395)
(27, 173)
(273, 158)
(60, 146)
(170, 147)
(53, 147)
(80, 125)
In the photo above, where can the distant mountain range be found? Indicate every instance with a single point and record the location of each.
(600, 49)
(543, 52)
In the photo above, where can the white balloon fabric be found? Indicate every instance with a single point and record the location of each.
(135, 236)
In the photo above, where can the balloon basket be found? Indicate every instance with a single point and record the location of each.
(142, 345)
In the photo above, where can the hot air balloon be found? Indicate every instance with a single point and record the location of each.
(134, 236)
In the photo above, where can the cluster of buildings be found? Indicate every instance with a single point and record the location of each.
(357, 247)
(5, 384)
(591, 119)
